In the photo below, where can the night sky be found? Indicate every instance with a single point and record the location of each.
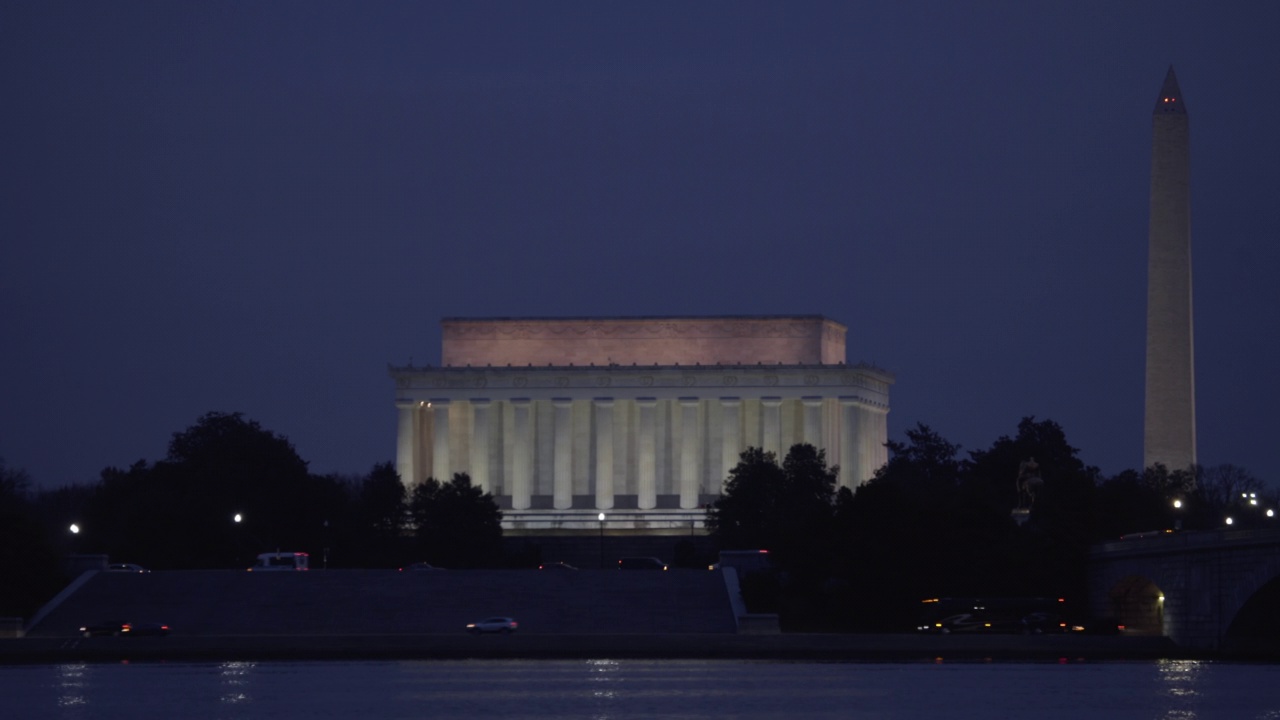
(257, 206)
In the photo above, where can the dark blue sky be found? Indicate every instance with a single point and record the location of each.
(249, 206)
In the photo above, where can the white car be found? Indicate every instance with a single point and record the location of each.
(504, 625)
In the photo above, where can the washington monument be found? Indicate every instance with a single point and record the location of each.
(1169, 428)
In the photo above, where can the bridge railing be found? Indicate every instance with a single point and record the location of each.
(1187, 541)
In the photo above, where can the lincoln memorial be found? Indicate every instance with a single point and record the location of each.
(640, 418)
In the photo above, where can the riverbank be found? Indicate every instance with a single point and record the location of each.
(812, 647)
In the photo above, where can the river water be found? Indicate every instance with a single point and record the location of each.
(623, 689)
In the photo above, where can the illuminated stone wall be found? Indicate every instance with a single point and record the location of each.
(726, 340)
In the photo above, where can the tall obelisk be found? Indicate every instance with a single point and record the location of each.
(1169, 431)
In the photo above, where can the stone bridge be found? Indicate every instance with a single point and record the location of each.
(1211, 590)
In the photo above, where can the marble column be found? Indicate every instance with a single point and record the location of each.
(731, 447)
(771, 419)
(646, 455)
(851, 460)
(812, 421)
(440, 466)
(522, 454)
(480, 476)
(690, 451)
(563, 458)
(406, 443)
(604, 452)
(874, 430)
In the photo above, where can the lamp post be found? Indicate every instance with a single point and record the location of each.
(600, 517)
(326, 545)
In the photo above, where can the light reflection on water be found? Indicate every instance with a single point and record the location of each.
(235, 681)
(71, 683)
(604, 689)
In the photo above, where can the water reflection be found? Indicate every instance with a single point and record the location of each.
(604, 689)
(603, 674)
(71, 684)
(1180, 680)
(235, 681)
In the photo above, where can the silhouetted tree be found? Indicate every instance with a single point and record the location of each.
(1229, 491)
(28, 562)
(788, 510)
(382, 501)
(178, 512)
(380, 518)
(457, 525)
(744, 517)
(930, 524)
(1049, 555)
(1128, 503)
(904, 541)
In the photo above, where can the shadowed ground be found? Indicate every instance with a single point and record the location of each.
(367, 614)
(380, 602)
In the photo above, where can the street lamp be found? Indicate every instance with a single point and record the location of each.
(600, 517)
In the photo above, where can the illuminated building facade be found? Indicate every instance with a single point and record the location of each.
(641, 418)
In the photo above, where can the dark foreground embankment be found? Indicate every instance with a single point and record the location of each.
(831, 648)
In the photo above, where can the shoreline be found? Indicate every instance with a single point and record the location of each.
(786, 647)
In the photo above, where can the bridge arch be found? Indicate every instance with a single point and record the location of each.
(1216, 586)
(1255, 625)
(1137, 603)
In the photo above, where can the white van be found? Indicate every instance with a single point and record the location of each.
(268, 562)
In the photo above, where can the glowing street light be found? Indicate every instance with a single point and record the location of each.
(75, 529)
(237, 518)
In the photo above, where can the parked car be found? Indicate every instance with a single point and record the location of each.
(116, 628)
(556, 566)
(641, 563)
(503, 625)
(126, 567)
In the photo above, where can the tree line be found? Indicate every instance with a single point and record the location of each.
(227, 490)
(935, 523)
(932, 522)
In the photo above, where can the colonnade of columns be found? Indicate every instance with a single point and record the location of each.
(586, 451)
